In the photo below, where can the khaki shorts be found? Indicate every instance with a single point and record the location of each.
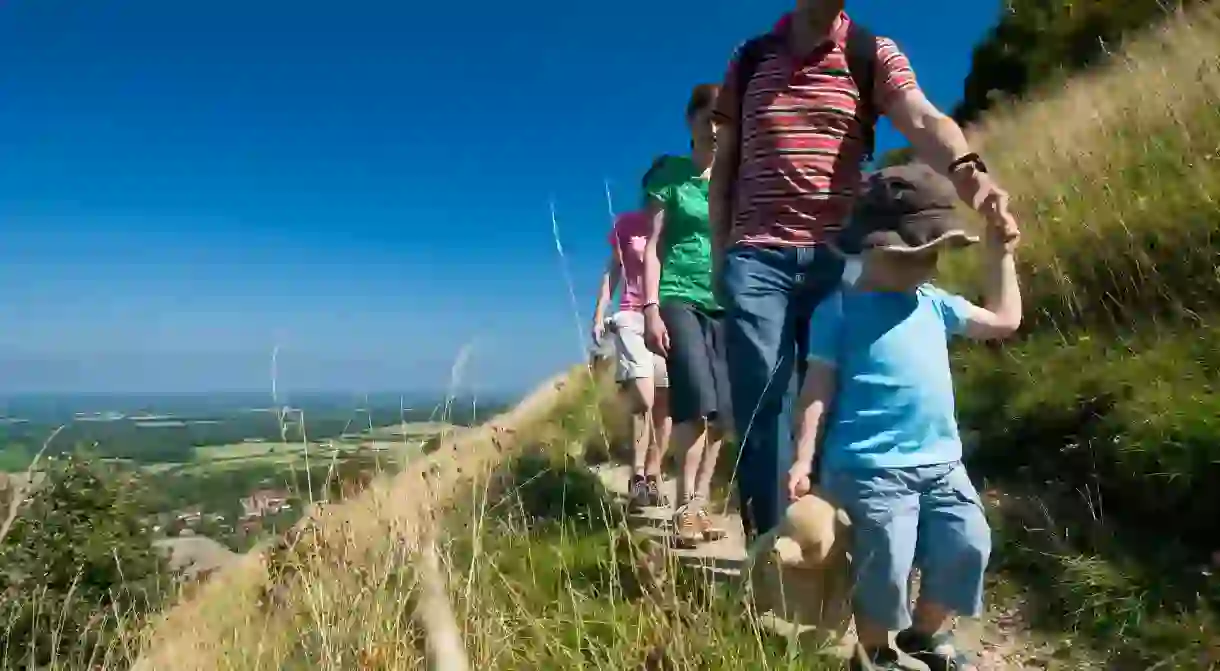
(634, 360)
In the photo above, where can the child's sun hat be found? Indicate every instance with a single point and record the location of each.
(906, 209)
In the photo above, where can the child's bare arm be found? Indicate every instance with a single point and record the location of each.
(816, 396)
(1000, 314)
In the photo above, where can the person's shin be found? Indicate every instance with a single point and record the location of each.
(662, 426)
(689, 439)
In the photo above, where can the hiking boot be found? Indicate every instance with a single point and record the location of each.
(687, 530)
(655, 497)
(710, 530)
(885, 659)
(937, 652)
(638, 495)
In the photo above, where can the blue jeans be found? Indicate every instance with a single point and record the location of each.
(769, 294)
(929, 516)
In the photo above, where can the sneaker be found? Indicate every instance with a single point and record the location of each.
(638, 494)
(937, 652)
(711, 532)
(885, 659)
(687, 530)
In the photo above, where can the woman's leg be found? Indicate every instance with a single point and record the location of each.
(690, 442)
(662, 428)
(707, 463)
(640, 399)
(692, 400)
(635, 373)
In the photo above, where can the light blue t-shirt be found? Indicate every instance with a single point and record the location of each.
(894, 402)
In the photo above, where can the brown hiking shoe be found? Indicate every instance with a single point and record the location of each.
(688, 531)
(711, 531)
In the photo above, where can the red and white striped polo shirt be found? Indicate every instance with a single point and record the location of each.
(801, 141)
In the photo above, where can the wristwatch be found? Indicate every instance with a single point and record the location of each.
(971, 159)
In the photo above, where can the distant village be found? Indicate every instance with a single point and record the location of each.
(256, 508)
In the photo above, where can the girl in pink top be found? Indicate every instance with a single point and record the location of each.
(640, 373)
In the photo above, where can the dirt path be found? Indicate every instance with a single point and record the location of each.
(1001, 637)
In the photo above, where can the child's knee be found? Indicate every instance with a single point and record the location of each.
(962, 547)
(973, 549)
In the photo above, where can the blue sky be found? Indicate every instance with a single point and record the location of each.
(186, 185)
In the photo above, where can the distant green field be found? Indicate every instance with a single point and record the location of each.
(412, 430)
(245, 450)
(397, 443)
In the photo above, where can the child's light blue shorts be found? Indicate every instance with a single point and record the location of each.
(929, 516)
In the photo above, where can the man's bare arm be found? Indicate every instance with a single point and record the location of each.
(939, 142)
(935, 136)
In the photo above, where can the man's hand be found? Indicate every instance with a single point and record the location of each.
(656, 336)
(980, 191)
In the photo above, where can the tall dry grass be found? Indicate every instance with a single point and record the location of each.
(1116, 180)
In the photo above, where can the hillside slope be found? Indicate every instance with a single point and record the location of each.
(1102, 420)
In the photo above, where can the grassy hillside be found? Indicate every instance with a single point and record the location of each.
(535, 560)
(1105, 409)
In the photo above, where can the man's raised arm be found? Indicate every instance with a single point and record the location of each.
(939, 141)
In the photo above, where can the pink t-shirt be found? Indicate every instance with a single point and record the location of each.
(628, 238)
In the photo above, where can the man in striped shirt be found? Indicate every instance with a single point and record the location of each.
(790, 148)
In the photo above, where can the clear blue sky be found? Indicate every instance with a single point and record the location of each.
(184, 185)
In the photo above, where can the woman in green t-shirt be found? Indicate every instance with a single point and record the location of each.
(682, 320)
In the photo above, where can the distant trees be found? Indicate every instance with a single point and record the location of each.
(1037, 40)
(76, 565)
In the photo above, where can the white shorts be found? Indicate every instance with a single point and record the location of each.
(634, 360)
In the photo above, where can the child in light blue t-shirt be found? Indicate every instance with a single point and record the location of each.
(878, 402)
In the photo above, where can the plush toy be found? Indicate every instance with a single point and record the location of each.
(801, 571)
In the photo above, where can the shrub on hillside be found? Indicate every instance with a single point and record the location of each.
(76, 568)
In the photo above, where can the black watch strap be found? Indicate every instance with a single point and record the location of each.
(969, 159)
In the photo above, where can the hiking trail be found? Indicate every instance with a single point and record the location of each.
(1002, 638)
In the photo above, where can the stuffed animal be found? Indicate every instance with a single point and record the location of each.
(801, 571)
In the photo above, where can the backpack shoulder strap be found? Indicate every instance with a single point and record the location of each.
(862, 63)
(749, 55)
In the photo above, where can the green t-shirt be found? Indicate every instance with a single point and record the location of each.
(685, 247)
